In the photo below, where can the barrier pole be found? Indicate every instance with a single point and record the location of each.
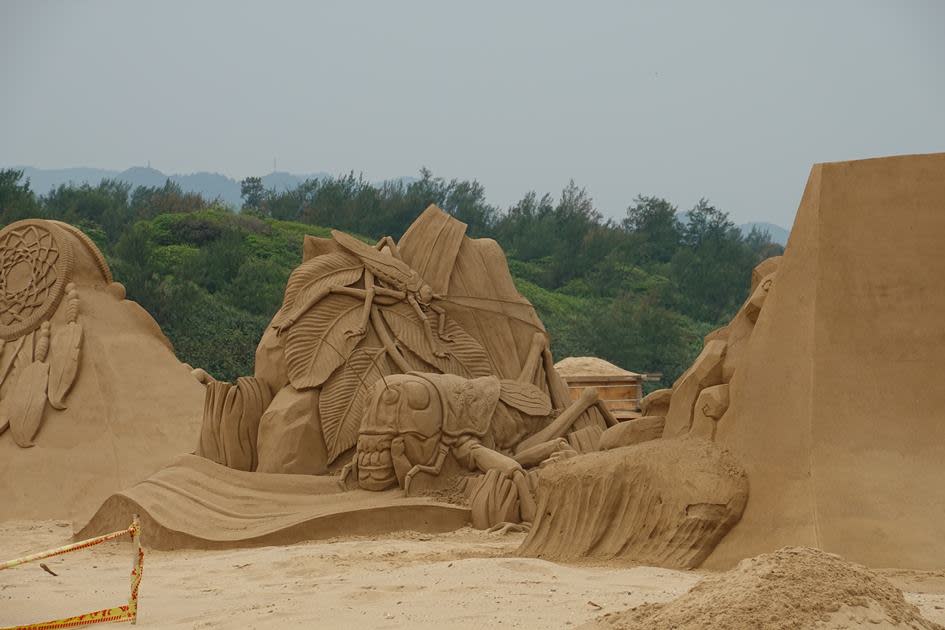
(137, 565)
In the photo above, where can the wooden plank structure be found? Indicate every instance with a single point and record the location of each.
(620, 390)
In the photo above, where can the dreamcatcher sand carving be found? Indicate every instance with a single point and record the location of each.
(40, 359)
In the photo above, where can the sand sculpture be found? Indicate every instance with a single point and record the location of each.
(416, 364)
(415, 373)
(836, 405)
(796, 389)
(91, 396)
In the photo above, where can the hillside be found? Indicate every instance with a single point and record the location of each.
(208, 185)
(777, 233)
(640, 293)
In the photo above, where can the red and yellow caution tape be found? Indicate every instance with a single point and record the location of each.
(127, 612)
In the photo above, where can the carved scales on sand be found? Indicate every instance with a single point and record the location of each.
(40, 335)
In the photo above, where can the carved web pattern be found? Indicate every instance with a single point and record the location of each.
(29, 275)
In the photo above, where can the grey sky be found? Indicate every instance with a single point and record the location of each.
(728, 100)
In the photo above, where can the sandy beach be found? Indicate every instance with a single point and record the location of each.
(463, 579)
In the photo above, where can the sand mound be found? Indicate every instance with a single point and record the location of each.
(117, 404)
(794, 587)
(197, 503)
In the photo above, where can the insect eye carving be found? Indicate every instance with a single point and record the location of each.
(418, 396)
(390, 396)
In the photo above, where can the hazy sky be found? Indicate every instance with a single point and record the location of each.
(728, 100)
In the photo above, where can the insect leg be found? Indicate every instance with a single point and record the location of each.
(433, 470)
(386, 241)
(441, 322)
(391, 244)
(426, 326)
(368, 303)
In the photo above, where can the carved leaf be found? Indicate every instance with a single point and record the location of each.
(23, 407)
(338, 269)
(466, 351)
(64, 362)
(317, 344)
(341, 404)
(525, 397)
(465, 357)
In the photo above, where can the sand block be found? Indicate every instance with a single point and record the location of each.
(656, 403)
(710, 406)
(764, 269)
(196, 503)
(851, 327)
(632, 432)
(290, 438)
(705, 371)
(663, 502)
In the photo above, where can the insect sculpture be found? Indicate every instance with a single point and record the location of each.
(414, 422)
(387, 279)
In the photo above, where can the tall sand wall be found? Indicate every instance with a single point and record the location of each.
(837, 410)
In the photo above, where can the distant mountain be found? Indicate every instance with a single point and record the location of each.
(210, 185)
(777, 233)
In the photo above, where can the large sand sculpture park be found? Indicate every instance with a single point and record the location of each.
(407, 385)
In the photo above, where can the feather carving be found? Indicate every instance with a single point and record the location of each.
(72, 303)
(64, 362)
(318, 343)
(341, 404)
(23, 407)
(11, 351)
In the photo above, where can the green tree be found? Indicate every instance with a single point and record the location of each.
(17, 201)
(253, 193)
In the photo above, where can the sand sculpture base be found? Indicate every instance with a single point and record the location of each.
(196, 503)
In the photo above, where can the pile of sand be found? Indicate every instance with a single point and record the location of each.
(794, 587)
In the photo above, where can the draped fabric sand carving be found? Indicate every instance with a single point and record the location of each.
(87, 380)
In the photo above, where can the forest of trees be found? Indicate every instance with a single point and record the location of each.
(640, 292)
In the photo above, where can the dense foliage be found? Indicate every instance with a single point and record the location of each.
(640, 292)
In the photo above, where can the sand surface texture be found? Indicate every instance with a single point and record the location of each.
(463, 579)
(794, 587)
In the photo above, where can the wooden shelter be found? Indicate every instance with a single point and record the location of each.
(620, 390)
